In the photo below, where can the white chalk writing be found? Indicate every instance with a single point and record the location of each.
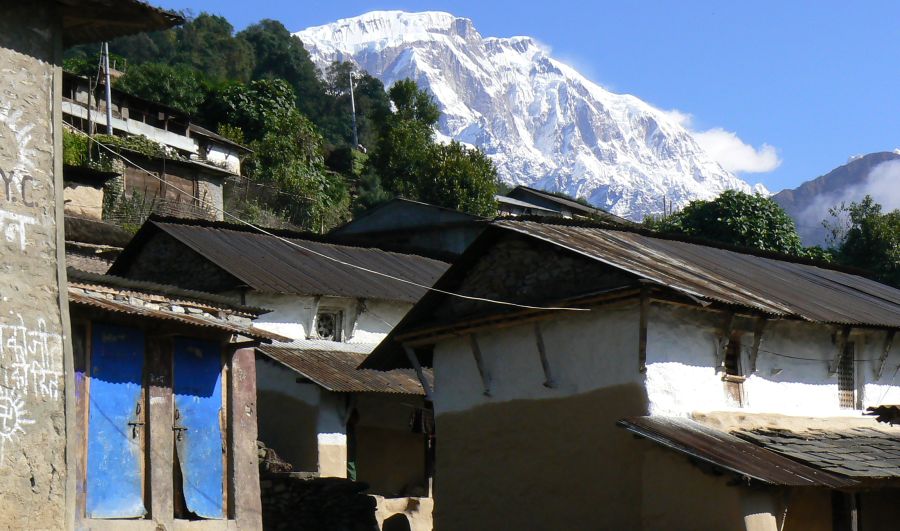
(13, 419)
(13, 227)
(31, 359)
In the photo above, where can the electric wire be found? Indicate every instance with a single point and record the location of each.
(337, 260)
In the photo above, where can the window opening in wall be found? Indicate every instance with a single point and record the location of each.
(847, 377)
(734, 377)
(328, 325)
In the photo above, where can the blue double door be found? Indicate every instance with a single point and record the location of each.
(117, 454)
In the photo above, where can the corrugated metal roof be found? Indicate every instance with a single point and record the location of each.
(861, 453)
(268, 264)
(572, 205)
(775, 287)
(731, 453)
(518, 202)
(337, 371)
(99, 20)
(123, 306)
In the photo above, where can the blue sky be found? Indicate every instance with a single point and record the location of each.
(782, 91)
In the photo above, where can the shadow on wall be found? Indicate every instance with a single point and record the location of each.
(398, 522)
(557, 463)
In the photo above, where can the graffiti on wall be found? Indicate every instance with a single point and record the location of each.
(16, 168)
(31, 361)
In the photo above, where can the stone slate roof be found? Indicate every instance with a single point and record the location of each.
(861, 453)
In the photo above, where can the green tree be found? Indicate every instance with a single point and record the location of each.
(411, 164)
(253, 107)
(179, 86)
(866, 238)
(278, 54)
(207, 43)
(735, 218)
(461, 178)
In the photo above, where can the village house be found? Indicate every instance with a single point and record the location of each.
(409, 226)
(189, 163)
(654, 383)
(37, 488)
(165, 402)
(526, 201)
(317, 411)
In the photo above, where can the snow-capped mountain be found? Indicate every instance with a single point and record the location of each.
(543, 124)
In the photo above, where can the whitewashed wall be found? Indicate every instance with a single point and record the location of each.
(291, 313)
(222, 155)
(681, 375)
(597, 349)
(586, 351)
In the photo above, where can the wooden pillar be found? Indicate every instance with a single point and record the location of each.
(160, 441)
(245, 467)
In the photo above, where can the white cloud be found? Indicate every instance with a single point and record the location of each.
(726, 148)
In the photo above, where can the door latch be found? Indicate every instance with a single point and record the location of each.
(177, 427)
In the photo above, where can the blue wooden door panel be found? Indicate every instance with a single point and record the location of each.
(198, 403)
(114, 460)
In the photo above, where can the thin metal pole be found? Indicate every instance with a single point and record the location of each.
(109, 124)
(353, 109)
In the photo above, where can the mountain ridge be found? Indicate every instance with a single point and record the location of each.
(542, 123)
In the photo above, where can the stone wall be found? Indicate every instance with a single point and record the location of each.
(518, 270)
(32, 412)
(298, 502)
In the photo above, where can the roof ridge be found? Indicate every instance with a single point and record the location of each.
(681, 238)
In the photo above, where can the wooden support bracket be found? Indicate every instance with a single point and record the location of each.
(642, 328)
(758, 330)
(840, 343)
(311, 318)
(724, 339)
(888, 343)
(414, 361)
(542, 351)
(479, 362)
(357, 311)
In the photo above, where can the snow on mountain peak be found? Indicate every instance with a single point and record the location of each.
(541, 122)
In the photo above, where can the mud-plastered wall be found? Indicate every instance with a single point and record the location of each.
(32, 413)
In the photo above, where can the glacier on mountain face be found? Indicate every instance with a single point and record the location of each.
(542, 123)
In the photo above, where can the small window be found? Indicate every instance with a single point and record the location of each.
(328, 325)
(734, 376)
(847, 377)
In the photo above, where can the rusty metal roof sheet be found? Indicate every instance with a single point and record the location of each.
(267, 264)
(772, 286)
(731, 453)
(337, 371)
(99, 20)
(864, 453)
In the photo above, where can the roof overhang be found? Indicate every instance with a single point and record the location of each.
(86, 21)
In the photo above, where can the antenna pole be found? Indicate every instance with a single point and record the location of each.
(353, 109)
(109, 124)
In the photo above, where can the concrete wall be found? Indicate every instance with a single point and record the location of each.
(33, 469)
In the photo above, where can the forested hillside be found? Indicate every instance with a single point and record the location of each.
(260, 88)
